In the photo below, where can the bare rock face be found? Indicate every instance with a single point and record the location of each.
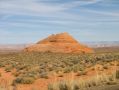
(59, 43)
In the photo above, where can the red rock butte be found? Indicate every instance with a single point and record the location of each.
(59, 43)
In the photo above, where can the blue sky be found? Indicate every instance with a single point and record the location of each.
(28, 21)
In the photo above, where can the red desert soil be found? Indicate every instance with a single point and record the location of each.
(6, 79)
(59, 43)
(41, 84)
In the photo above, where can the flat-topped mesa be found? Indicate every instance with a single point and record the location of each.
(59, 43)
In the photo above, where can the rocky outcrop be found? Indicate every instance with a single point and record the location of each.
(59, 43)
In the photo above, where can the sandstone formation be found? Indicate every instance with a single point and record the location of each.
(59, 43)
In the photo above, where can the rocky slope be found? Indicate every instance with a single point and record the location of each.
(59, 43)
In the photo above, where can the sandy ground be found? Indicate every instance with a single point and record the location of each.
(41, 84)
(6, 80)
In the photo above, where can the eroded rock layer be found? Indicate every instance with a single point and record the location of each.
(59, 43)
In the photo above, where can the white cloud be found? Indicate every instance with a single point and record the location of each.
(57, 11)
(32, 6)
(104, 13)
(27, 7)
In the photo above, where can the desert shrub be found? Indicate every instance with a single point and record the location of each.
(2, 65)
(76, 87)
(111, 82)
(111, 78)
(63, 86)
(8, 69)
(16, 74)
(76, 68)
(60, 74)
(105, 67)
(118, 63)
(92, 68)
(24, 80)
(78, 74)
(21, 67)
(117, 74)
(81, 84)
(44, 75)
(67, 70)
(50, 87)
(29, 74)
(50, 68)
(112, 64)
(83, 72)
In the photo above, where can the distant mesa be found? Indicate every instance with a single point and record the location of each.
(59, 43)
